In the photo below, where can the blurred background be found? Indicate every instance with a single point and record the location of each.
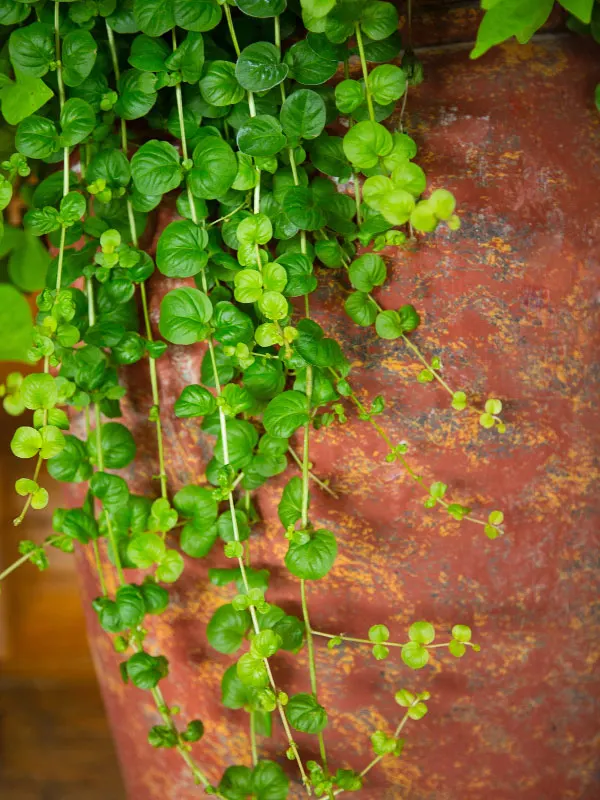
(54, 738)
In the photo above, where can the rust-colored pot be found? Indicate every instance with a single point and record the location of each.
(508, 304)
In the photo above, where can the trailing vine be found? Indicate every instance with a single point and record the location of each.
(234, 111)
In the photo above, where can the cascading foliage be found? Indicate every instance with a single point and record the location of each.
(272, 128)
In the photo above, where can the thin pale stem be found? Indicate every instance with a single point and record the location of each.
(409, 470)
(15, 565)
(377, 759)
(365, 71)
(111, 532)
(425, 363)
(63, 231)
(312, 475)
(99, 567)
(312, 666)
(164, 711)
(162, 473)
(24, 559)
(253, 742)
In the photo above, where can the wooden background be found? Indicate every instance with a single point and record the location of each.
(54, 739)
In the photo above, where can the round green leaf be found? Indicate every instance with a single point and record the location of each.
(387, 83)
(197, 502)
(367, 272)
(219, 86)
(170, 567)
(313, 559)
(361, 308)
(31, 49)
(215, 168)
(307, 67)
(197, 541)
(118, 446)
(411, 178)
(262, 8)
(251, 670)
(259, 67)
(303, 208)
(194, 401)
(226, 629)
(53, 441)
(148, 54)
(145, 671)
(26, 442)
(248, 286)
(197, 15)
(349, 95)
(77, 121)
(155, 168)
(181, 250)
(154, 17)
(305, 714)
(414, 655)
(36, 137)
(303, 115)
(422, 632)
(366, 142)
(285, 414)
(39, 390)
(184, 314)
(146, 549)
(273, 305)
(78, 56)
(261, 136)
(379, 20)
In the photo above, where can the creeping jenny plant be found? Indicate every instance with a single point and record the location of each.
(231, 108)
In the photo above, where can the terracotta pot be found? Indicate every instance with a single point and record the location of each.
(507, 303)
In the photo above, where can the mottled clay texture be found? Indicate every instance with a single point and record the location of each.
(509, 304)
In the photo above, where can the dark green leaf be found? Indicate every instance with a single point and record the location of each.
(215, 168)
(261, 136)
(305, 714)
(31, 49)
(315, 558)
(285, 414)
(77, 121)
(259, 67)
(181, 250)
(78, 55)
(155, 168)
(226, 629)
(184, 314)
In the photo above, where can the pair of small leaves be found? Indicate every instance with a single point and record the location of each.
(37, 137)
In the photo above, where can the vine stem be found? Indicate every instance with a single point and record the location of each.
(15, 565)
(155, 415)
(305, 465)
(89, 289)
(365, 71)
(357, 640)
(223, 421)
(253, 745)
(312, 476)
(407, 467)
(164, 711)
(413, 347)
(100, 457)
(377, 759)
(63, 231)
(25, 558)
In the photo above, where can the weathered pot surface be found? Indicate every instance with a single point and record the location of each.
(507, 303)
